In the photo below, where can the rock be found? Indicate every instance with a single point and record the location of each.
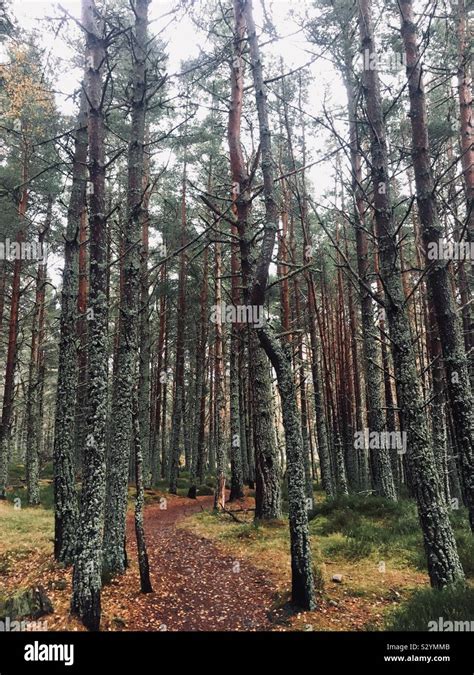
(30, 603)
(337, 578)
(333, 603)
(394, 595)
(119, 622)
(58, 585)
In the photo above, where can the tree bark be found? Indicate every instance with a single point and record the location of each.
(438, 282)
(65, 494)
(443, 561)
(87, 575)
(118, 459)
(302, 574)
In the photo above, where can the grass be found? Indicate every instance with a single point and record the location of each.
(374, 527)
(23, 531)
(426, 605)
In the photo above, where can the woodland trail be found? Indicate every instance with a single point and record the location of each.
(196, 586)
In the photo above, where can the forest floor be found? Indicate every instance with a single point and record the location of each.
(221, 573)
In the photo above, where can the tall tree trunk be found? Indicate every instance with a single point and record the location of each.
(177, 419)
(81, 330)
(65, 495)
(219, 496)
(301, 561)
(443, 561)
(197, 469)
(33, 419)
(449, 328)
(9, 384)
(145, 337)
(87, 575)
(382, 475)
(128, 347)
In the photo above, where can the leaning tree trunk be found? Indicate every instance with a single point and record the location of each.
(438, 282)
(65, 496)
(302, 574)
(87, 575)
(118, 459)
(443, 561)
(302, 592)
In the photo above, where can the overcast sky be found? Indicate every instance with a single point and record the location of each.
(184, 41)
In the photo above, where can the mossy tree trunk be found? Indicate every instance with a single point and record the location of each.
(443, 561)
(87, 574)
(127, 355)
(65, 495)
(301, 561)
(438, 281)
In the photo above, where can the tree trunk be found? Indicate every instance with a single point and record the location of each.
(302, 574)
(438, 282)
(176, 419)
(118, 459)
(382, 476)
(143, 565)
(9, 381)
(443, 561)
(33, 419)
(87, 575)
(65, 495)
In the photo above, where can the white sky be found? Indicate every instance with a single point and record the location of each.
(183, 42)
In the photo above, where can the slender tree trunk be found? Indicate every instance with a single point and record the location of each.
(197, 469)
(176, 419)
(144, 567)
(443, 561)
(65, 496)
(87, 575)
(145, 337)
(128, 345)
(382, 476)
(301, 561)
(438, 282)
(219, 496)
(3, 280)
(33, 419)
(9, 384)
(81, 330)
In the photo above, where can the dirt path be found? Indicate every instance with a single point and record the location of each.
(196, 587)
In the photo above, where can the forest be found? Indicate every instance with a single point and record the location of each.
(236, 332)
